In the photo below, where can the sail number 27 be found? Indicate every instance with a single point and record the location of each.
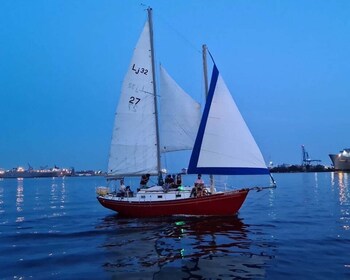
(133, 103)
(134, 100)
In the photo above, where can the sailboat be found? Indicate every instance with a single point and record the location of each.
(220, 141)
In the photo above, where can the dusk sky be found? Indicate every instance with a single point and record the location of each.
(62, 63)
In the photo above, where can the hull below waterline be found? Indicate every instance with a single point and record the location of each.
(221, 204)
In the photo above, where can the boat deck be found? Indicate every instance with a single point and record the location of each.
(152, 194)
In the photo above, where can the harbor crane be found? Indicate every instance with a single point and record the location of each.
(306, 159)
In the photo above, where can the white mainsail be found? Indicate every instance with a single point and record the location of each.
(224, 144)
(134, 141)
(179, 116)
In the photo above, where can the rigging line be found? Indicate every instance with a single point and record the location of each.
(212, 58)
(192, 45)
(184, 39)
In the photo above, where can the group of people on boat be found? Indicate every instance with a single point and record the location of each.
(171, 182)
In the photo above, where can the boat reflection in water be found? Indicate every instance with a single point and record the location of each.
(186, 248)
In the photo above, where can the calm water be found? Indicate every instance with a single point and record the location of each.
(55, 229)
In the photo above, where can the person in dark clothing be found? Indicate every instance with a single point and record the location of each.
(178, 180)
(169, 180)
(160, 180)
(169, 183)
(144, 181)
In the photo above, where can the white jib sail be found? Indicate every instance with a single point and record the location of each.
(227, 141)
(134, 142)
(179, 116)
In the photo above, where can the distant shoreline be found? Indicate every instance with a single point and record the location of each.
(303, 169)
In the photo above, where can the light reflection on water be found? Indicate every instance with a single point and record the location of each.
(2, 202)
(19, 200)
(341, 181)
(58, 196)
(271, 198)
(200, 247)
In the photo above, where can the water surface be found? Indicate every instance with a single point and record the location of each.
(55, 229)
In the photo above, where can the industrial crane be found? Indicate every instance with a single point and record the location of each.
(306, 159)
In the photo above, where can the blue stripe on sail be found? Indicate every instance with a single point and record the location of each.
(192, 167)
(229, 170)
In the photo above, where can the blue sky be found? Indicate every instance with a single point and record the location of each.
(62, 64)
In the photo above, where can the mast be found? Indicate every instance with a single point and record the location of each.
(150, 22)
(205, 72)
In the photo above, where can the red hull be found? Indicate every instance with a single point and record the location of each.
(221, 204)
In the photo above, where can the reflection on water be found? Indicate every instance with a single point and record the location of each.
(63, 194)
(343, 185)
(193, 248)
(316, 179)
(340, 180)
(271, 210)
(1, 200)
(53, 194)
(58, 196)
(19, 200)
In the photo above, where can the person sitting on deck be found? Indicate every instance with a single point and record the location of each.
(168, 183)
(122, 186)
(128, 192)
(199, 180)
(178, 180)
(144, 181)
(169, 180)
(160, 180)
(123, 190)
(199, 186)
